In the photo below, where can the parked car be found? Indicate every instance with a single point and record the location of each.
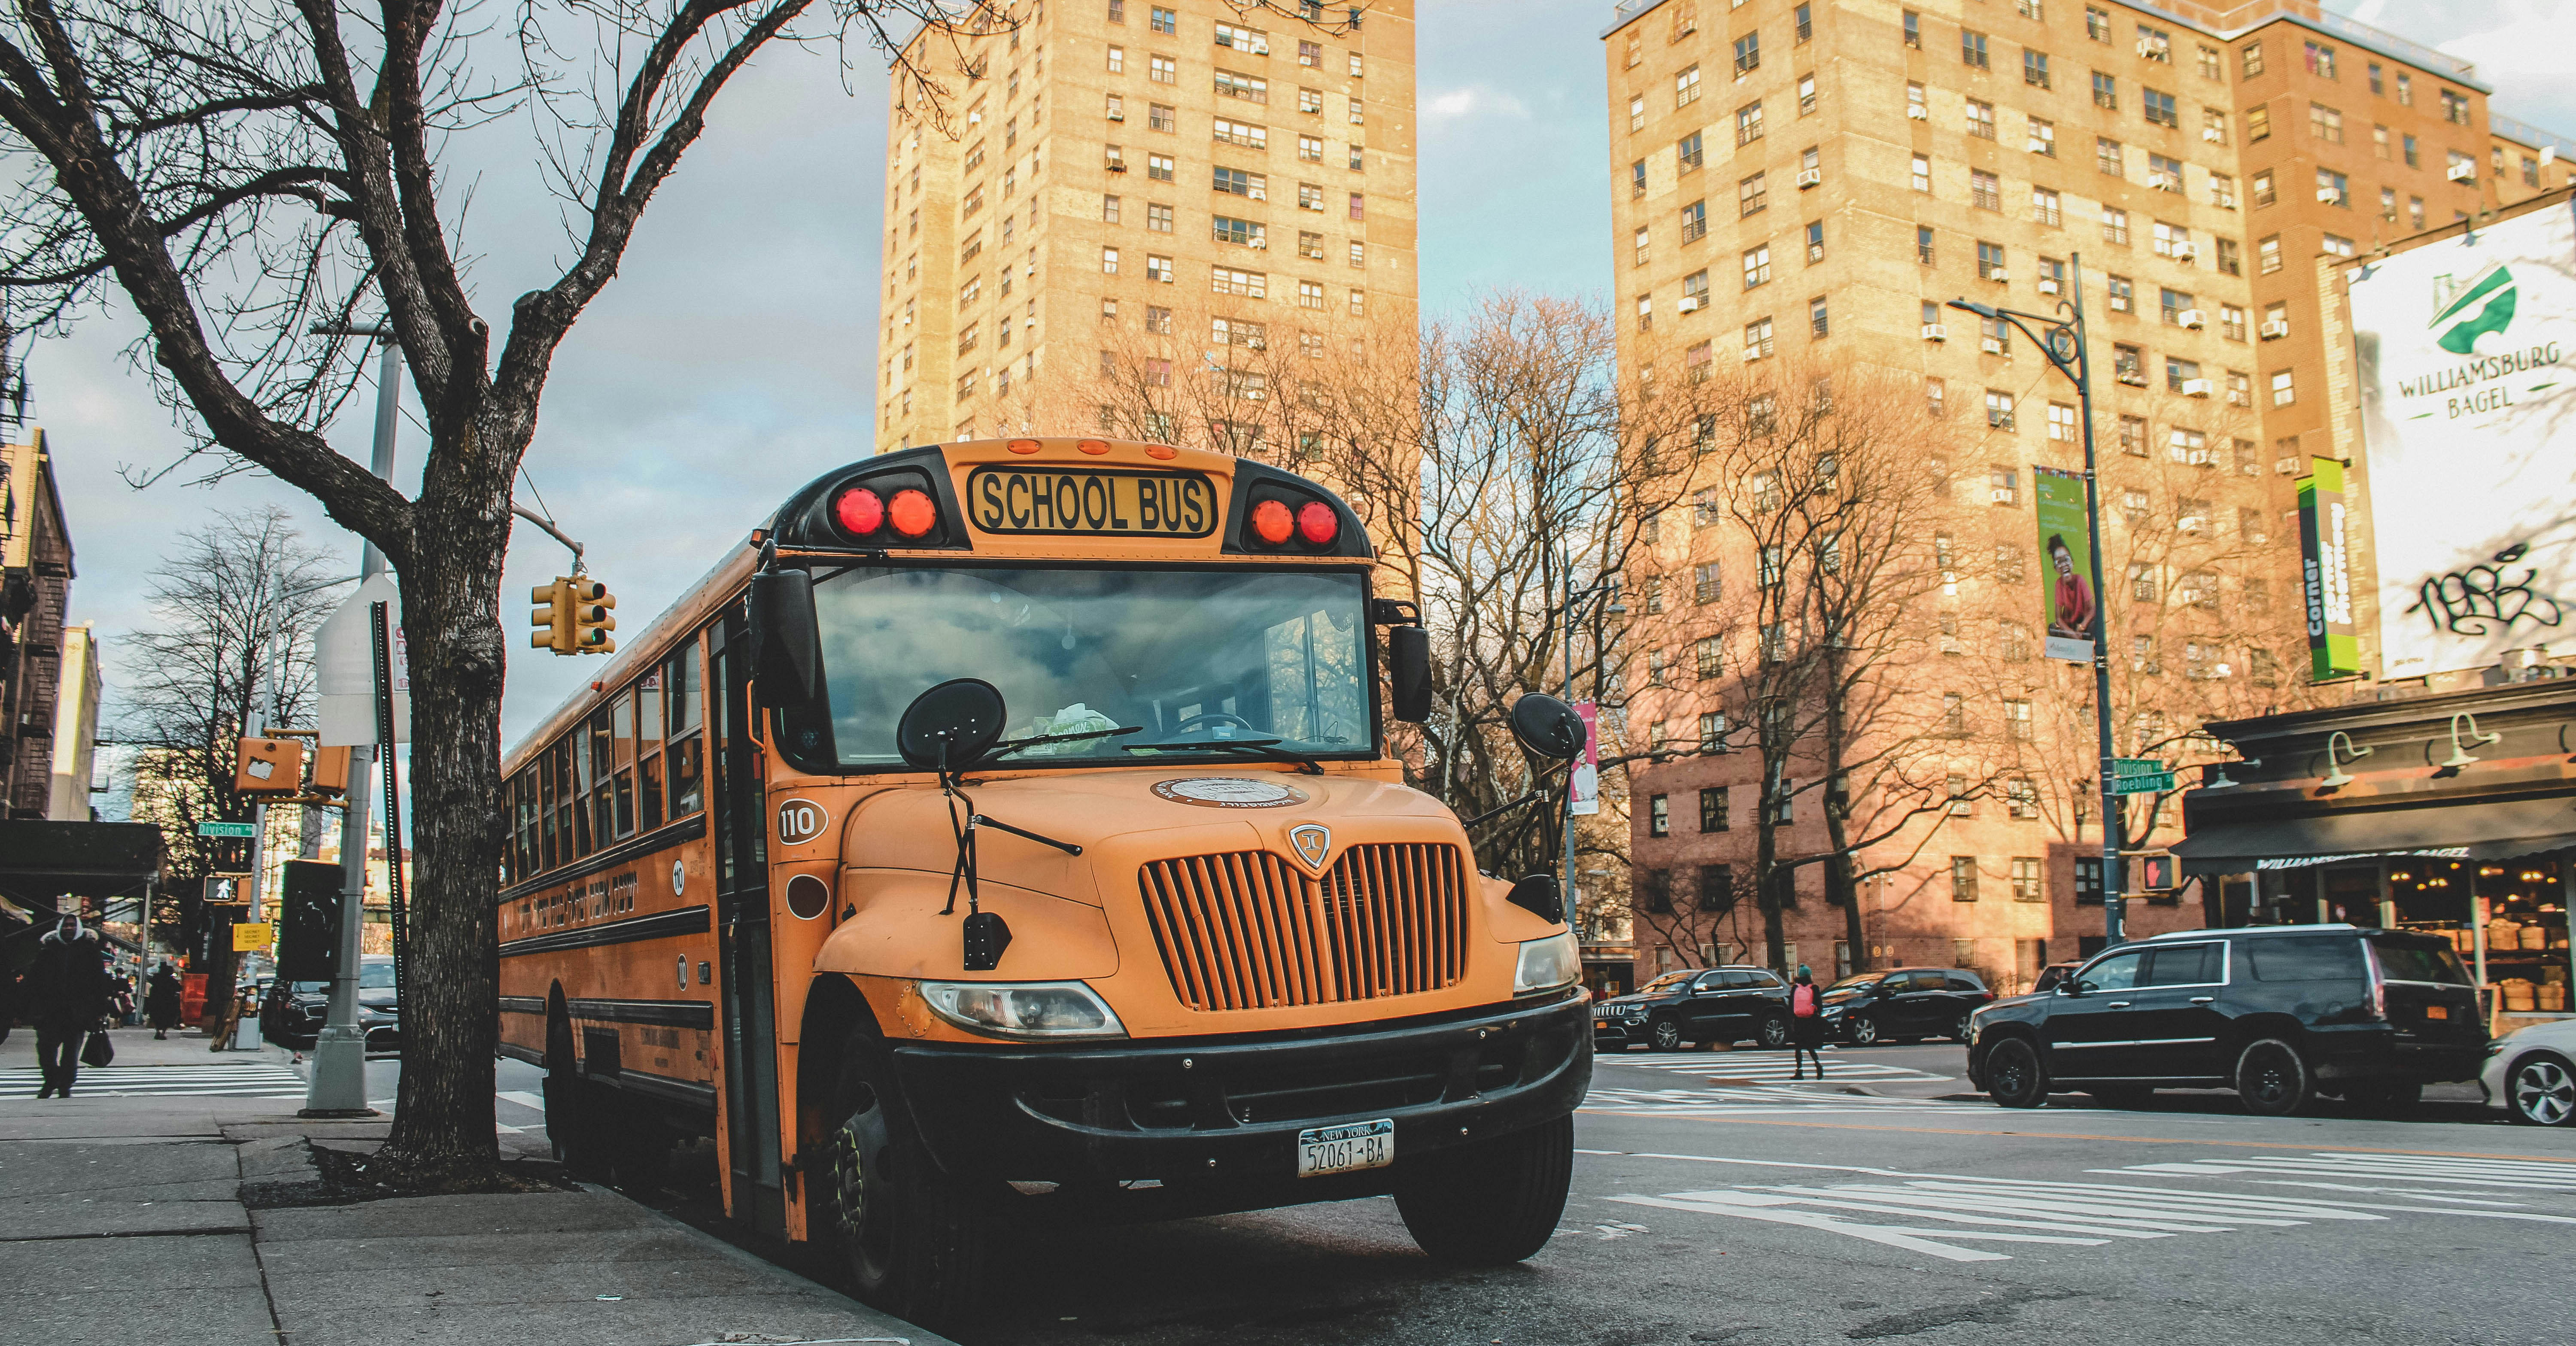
(2281, 1014)
(1719, 1005)
(293, 1012)
(2050, 976)
(2531, 1074)
(1906, 1005)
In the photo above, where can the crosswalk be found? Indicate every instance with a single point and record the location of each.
(1754, 1100)
(227, 1079)
(1766, 1067)
(1970, 1218)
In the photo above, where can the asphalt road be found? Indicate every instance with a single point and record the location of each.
(1713, 1202)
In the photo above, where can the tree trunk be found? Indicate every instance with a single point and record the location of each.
(1769, 876)
(443, 1127)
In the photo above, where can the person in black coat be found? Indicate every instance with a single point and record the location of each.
(65, 994)
(1806, 1024)
(161, 996)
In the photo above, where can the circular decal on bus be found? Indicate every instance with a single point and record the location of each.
(679, 878)
(808, 896)
(800, 821)
(1229, 792)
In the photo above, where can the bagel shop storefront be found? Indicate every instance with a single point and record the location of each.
(2451, 813)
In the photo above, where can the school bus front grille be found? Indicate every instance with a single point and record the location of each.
(1249, 930)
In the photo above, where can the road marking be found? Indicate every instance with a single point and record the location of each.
(1729, 1102)
(2514, 1174)
(243, 1079)
(1769, 1067)
(523, 1098)
(2133, 1140)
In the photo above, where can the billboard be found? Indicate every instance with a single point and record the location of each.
(2466, 350)
(2066, 550)
(1585, 792)
(2326, 573)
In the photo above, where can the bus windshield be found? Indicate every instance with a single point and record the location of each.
(1184, 657)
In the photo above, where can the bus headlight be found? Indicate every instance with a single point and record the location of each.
(1052, 1010)
(1547, 963)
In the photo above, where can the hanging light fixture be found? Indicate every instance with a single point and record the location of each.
(2460, 755)
(2336, 777)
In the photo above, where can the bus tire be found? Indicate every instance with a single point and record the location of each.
(1490, 1202)
(915, 1243)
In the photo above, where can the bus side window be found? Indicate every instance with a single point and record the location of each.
(684, 764)
(621, 721)
(648, 750)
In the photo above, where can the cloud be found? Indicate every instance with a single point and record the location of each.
(1476, 100)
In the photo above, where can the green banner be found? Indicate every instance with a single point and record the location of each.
(2333, 650)
(2066, 570)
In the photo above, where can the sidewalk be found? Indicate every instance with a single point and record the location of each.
(127, 1218)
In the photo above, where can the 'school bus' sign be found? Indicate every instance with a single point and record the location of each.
(1091, 501)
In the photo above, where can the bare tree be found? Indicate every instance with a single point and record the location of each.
(234, 610)
(243, 172)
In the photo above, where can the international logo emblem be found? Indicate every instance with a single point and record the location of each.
(1313, 841)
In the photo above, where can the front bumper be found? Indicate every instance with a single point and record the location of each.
(1228, 1110)
(1617, 1033)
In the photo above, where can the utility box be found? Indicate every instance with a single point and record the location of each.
(269, 766)
(308, 934)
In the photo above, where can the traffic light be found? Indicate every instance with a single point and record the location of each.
(553, 618)
(592, 616)
(2154, 871)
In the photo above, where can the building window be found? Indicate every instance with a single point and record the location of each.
(1981, 119)
(1659, 816)
(2115, 226)
(1714, 813)
(1752, 196)
(1159, 269)
(1818, 324)
(2043, 138)
(1310, 294)
(1757, 339)
(2455, 107)
(2045, 207)
(2034, 68)
(2106, 157)
(2267, 254)
(2284, 392)
(2120, 294)
(2158, 107)
(1694, 221)
(1748, 123)
(2106, 91)
(1158, 167)
(1757, 266)
(2325, 123)
(1922, 173)
(1963, 878)
(1815, 241)
(1158, 217)
(1807, 96)
(1972, 49)
(2025, 879)
(2017, 720)
(1913, 29)
(1990, 260)
(1686, 87)
(1985, 190)
(1706, 586)
(1923, 244)
(1687, 150)
(1748, 53)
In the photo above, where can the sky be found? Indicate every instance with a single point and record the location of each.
(731, 360)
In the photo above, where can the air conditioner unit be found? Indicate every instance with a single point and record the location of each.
(1261, 243)
(1918, 112)
(1117, 167)
(2038, 146)
(1752, 353)
(2195, 387)
(1809, 177)
(2275, 328)
(2162, 185)
(2185, 252)
(2192, 319)
(2213, 135)
(2153, 51)
(1991, 345)
(2463, 172)
(2548, 155)
(1690, 303)
(1999, 276)
(1933, 331)
(2047, 286)
(2330, 196)
(2002, 495)
(2223, 200)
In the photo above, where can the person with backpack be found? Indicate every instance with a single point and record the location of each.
(1806, 1024)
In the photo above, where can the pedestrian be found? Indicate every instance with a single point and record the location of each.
(161, 999)
(68, 996)
(1806, 1024)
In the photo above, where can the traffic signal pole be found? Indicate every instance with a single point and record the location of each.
(339, 1084)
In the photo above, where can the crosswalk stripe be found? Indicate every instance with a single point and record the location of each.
(2463, 1173)
(233, 1079)
(1766, 1067)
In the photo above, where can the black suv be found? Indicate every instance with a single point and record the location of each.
(293, 1012)
(1720, 1005)
(2278, 1013)
(1906, 1005)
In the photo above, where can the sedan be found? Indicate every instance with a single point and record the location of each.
(2531, 1074)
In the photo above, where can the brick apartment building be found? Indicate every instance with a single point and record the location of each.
(35, 593)
(1141, 183)
(1819, 178)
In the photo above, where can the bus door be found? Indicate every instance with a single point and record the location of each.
(742, 934)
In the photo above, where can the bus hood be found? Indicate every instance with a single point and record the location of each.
(1123, 819)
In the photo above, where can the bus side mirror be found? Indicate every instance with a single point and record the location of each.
(786, 645)
(1408, 658)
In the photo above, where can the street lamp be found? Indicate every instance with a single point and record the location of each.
(2060, 337)
(1604, 598)
(338, 1087)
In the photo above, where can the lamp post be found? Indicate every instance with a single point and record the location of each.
(2060, 337)
(1604, 595)
(338, 1087)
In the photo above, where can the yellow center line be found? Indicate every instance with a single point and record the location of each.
(2081, 1135)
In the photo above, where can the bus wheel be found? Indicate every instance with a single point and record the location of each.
(1491, 1201)
(915, 1243)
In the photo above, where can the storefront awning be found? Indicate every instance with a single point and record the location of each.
(2494, 830)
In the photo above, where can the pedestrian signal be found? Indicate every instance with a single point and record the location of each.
(2155, 871)
(593, 616)
(553, 617)
(268, 766)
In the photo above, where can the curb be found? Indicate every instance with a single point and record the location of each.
(914, 1336)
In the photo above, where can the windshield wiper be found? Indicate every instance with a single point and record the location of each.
(1266, 748)
(1002, 750)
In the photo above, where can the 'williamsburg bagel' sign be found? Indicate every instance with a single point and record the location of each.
(2467, 353)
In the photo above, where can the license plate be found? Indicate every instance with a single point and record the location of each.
(2437, 1011)
(1094, 501)
(1345, 1149)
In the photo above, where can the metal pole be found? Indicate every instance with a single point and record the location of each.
(1565, 820)
(339, 1083)
(2113, 885)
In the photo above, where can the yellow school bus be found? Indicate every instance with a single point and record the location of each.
(1007, 832)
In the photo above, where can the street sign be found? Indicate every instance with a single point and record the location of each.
(254, 937)
(2141, 785)
(242, 830)
(2136, 766)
